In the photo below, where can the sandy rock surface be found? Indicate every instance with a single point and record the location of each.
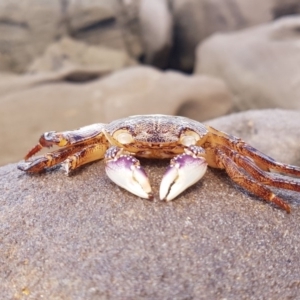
(33, 105)
(82, 237)
(260, 64)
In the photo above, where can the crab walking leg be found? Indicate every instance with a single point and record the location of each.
(84, 156)
(264, 161)
(46, 161)
(260, 175)
(125, 170)
(88, 134)
(238, 175)
(72, 157)
(184, 170)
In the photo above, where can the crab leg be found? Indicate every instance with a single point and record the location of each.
(70, 157)
(125, 170)
(184, 170)
(260, 175)
(239, 176)
(88, 134)
(265, 162)
(84, 156)
(46, 161)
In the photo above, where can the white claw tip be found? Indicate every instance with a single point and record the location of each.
(181, 175)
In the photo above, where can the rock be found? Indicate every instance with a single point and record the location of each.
(82, 15)
(26, 28)
(127, 16)
(94, 22)
(82, 237)
(272, 131)
(68, 53)
(286, 7)
(261, 69)
(156, 31)
(33, 105)
(139, 27)
(196, 20)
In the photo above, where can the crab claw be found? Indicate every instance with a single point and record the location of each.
(185, 170)
(126, 171)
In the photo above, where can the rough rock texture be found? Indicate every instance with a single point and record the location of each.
(82, 237)
(195, 20)
(260, 64)
(68, 53)
(33, 105)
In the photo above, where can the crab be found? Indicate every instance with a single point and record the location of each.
(190, 145)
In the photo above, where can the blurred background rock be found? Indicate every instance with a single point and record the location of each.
(69, 63)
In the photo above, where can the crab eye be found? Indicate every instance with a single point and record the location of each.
(123, 137)
(189, 138)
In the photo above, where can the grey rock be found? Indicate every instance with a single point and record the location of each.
(196, 20)
(84, 14)
(82, 237)
(260, 64)
(272, 131)
(26, 27)
(68, 53)
(156, 25)
(94, 22)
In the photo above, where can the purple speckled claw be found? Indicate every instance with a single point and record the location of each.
(184, 170)
(125, 170)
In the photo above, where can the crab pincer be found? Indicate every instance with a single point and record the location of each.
(125, 170)
(184, 170)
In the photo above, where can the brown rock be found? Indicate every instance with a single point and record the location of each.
(260, 64)
(82, 237)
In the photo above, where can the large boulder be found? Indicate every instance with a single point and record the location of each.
(260, 64)
(32, 105)
(195, 20)
(82, 237)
